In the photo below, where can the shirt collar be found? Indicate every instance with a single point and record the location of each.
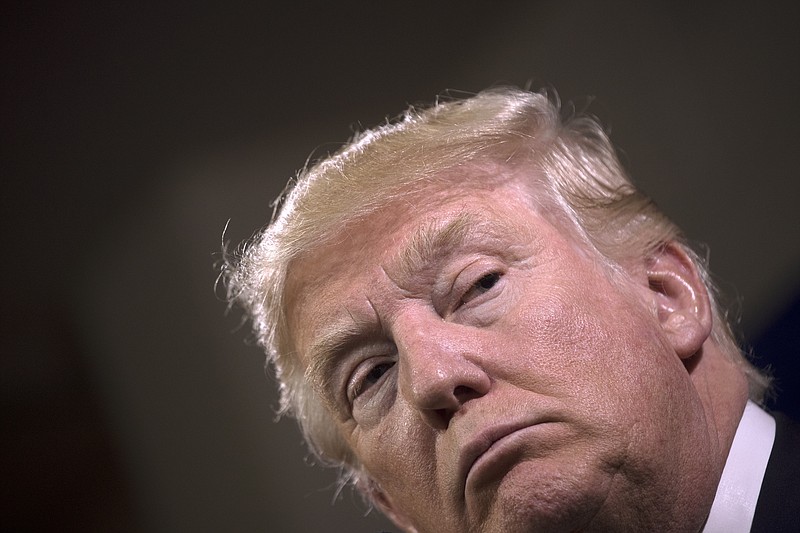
(738, 489)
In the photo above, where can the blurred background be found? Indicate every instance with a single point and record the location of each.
(132, 133)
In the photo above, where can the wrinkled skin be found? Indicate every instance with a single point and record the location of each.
(502, 381)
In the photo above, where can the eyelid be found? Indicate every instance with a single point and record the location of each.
(469, 276)
(359, 373)
(478, 286)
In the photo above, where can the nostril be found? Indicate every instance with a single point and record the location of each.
(463, 394)
(440, 418)
(443, 417)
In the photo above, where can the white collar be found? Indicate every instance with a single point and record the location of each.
(738, 489)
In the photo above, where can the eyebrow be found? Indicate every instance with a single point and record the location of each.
(434, 240)
(426, 244)
(324, 354)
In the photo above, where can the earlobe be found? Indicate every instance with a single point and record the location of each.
(374, 493)
(683, 305)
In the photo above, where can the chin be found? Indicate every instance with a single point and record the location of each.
(535, 496)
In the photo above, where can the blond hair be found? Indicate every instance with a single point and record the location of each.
(575, 172)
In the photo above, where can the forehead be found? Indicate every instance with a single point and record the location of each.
(400, 236)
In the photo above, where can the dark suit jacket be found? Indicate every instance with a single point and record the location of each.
(778, 507)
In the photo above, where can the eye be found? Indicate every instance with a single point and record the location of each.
(366, 376)
(482, 286)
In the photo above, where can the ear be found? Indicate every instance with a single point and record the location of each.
(375, 494)
(682, 301)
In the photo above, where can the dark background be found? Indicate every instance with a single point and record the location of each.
(131, 134)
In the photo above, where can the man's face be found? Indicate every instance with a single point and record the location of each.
(489, 375)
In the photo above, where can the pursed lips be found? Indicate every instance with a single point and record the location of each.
(483, 442)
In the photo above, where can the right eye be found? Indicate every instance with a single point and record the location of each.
(367, 375)
(481, 286)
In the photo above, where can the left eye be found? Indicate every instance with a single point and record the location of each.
(483, 285)
(370, 378)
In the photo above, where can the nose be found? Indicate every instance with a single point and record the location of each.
(440, 368)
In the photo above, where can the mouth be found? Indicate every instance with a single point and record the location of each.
(493, 451)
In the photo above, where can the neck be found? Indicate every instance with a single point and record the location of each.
(723, 391)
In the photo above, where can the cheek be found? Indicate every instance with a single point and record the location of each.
(554, 329)
(587, 335)
(397, 452)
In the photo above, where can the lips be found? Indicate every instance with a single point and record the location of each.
(489, 447)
